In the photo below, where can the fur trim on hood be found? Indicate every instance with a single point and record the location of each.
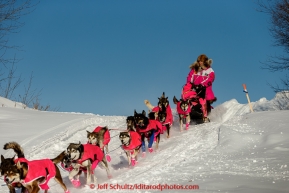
(196, 66)
(210, 62)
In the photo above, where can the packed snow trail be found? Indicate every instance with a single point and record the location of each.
(173, 152)
(232, 148)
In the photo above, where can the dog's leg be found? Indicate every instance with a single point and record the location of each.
(58, 179)
(105, 165)
(151, 141)
(168, 130)
(181, 122)
(133, 154)
(158, 137)
(73, 172)
(106, 149)
(143, 145)
(128, 157)
(34, 187)
(94, 179)
(11, 188)
(188, 120)
(89, 171)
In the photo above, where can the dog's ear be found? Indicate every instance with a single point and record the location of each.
(175, 100)
(88, 132)
(143, 112)
(2, 158)
(78, 145)
(18, 165)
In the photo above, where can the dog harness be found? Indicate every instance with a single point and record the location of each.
(181, 111)
(106, 139)
(92, 152)
(134, 142)
(38, 169)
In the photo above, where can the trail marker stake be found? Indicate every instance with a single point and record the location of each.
(247, 95)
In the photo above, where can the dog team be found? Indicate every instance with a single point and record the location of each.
(33, 175)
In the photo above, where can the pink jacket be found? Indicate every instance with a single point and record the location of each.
(106, 139)
(204, 77)
(135, 141)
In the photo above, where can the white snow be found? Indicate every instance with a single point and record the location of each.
(237, 151)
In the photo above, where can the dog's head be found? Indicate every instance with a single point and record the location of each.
(92, 137)
(5, 163)
(74, 151)
(130, 123)
(163, 101)
(62, 158)
(201, 90)
(124, 138)
(141, 120)
(13, 173)
(162, 116)
(184, 104)
(153, 115)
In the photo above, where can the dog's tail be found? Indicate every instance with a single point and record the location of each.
(59, 158)
(148, 104)
(16, 147)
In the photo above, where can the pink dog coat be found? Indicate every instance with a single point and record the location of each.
(92, 152)
(106, 139)
(37, 169)
(135, 141)
(169, 118)
(181, 111)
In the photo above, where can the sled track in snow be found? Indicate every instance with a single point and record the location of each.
(197, 133)
(73, 127)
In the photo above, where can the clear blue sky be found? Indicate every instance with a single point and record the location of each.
(106, 57)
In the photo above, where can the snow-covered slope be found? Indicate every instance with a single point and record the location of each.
(237, 151)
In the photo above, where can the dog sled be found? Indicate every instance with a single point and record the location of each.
(200, 107)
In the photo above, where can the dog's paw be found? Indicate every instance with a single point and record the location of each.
(146, 102)
(75, 183)
(108, 158)
(133, 162)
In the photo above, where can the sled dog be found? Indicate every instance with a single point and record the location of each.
(83, 157)
(131, 143)
(34, 174)
(183, 109)
(130, 124)
(147, 128)
(7, 162)
(163, 108)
